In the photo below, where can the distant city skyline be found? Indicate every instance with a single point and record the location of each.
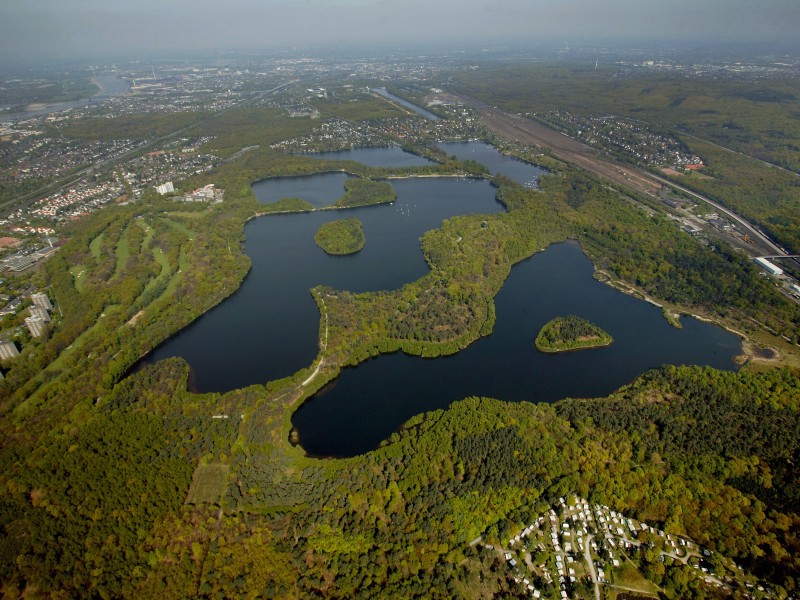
(53, 29)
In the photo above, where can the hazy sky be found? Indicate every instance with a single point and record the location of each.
(67, 28)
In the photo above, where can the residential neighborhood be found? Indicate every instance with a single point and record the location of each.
(581, 550)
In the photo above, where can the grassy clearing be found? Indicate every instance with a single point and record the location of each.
(183, 263)
(148, 232)
(362, 108)
(79, 277)
(178, 226)
(161, 259)
(208, 484)
(123, 251)
(630, 578)
(96, 246)
(198, 214)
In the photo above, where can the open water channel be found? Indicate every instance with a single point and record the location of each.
(268, 329)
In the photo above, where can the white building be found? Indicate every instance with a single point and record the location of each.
(41, 300)
(35, 325)
(8, 350)
(41, 313)
(769, 267)
(165, 188)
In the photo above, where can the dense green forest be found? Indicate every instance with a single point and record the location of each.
(365, 192)
(396, 521)
(134, 127)
(120, 484)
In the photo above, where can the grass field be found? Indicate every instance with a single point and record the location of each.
(361, 108)
(79, 277)
(96, 246)
(178, 226)
(123, 251)
(183, 263)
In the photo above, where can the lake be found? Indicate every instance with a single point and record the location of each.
(390, 156)
(497, 163)
(370, 401)
(268, 329)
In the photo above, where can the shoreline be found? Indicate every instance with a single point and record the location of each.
(749, 346)
(575, 349)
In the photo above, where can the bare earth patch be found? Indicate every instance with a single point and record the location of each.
(755, 353)
(134, 318)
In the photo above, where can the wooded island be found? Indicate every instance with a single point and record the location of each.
(344, 236)
(563, 334)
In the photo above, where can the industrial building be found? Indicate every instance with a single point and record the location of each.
(769, 267)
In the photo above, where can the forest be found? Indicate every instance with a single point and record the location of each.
(118, 481)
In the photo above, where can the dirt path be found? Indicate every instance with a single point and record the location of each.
(323, 345)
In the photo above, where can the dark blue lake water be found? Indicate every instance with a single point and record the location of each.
(268, 329)
(486, 154)
(390, 156)
(367, 403)
(320, 190)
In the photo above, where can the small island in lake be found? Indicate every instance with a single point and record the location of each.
(570, 333)
(345, 236)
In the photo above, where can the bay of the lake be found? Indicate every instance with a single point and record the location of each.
(497, 163)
